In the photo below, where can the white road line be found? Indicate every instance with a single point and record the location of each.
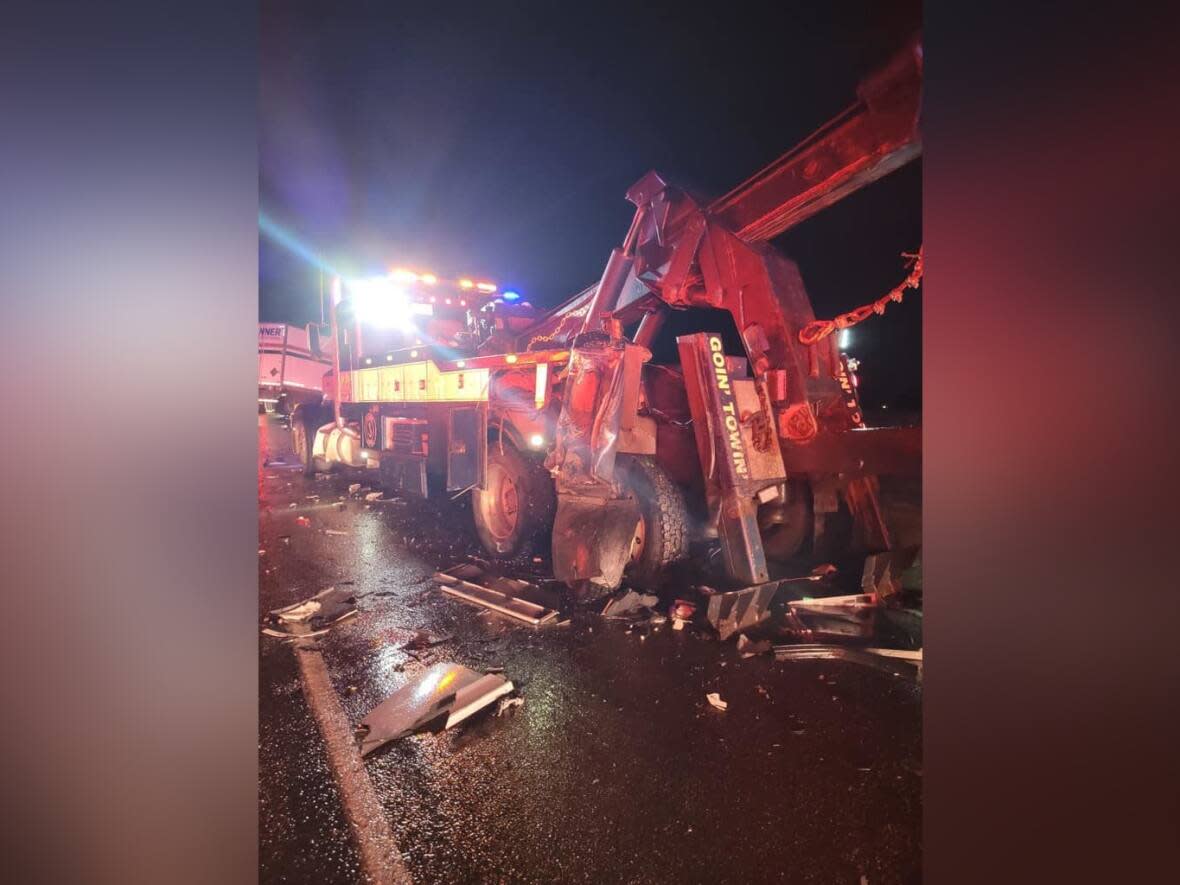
(380, 858)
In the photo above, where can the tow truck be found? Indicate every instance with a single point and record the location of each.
(595, 426)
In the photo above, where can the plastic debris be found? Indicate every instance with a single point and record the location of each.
(715, 699)
(312, 616)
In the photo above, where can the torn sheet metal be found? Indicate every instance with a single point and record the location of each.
(592, 538)
(311, 617)
(738, 610)
(907, 665)
(503, 597)
(441, 697)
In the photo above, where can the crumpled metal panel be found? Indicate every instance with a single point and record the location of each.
(443, 695)
(592, 539)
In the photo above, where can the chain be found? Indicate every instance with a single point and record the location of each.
(817, 330)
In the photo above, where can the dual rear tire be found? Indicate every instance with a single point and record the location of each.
(517, 507)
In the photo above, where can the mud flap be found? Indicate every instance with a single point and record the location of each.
(592, 539)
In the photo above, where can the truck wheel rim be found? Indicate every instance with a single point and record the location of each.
(500, 504)
(638, 540)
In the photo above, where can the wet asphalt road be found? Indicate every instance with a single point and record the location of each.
(615, 769)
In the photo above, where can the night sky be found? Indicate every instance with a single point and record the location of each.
(497, 141)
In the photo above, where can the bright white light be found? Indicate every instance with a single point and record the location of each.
(845, 338)
(536, 440)
(382, 303)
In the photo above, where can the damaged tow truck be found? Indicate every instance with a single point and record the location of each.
(561, 425)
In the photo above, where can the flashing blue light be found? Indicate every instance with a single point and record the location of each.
(509, 295)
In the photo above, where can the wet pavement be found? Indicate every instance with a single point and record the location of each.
(615, 769)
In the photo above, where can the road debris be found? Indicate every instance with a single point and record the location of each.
(311, 617)
(354, 488)
(628, 603)
(423, 639)
(439, 698)
(749, 648)
(334, 532)
(375, 496)
(715, 699)
(503, 595)
(506, 704)
(302, 520)
(852, 616)
(898, 662)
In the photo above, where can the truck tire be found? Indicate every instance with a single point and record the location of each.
(303, 428)
(661, 537)
(517, 503)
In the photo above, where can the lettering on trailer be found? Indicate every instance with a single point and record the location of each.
(733, 433)
(267, 331)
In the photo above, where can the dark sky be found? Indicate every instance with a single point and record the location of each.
(496, 140)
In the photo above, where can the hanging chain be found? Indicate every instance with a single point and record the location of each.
(817, 330)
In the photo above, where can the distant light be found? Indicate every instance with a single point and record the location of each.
(433, 300)
(461, 364)
(404, 276)
(365, 456)
(429, 279)
(462, 302)
(509, 295)
(389, 358)
(466, 284)
(486, 287)
(511, 358)
(448, 301)
(413, 354)
(845, 338)
(368, 361)
(536, 440)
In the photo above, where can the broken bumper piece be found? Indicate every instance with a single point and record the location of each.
(441, 697)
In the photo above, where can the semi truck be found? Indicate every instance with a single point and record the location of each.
(684, 397)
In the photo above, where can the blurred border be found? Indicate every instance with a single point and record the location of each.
(1050, 308)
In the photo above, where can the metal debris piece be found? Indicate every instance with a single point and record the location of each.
(354, 488)
(888, 663)
(504, 597)
(715, 699)
(739, 610)
(312, 616)
(441, 696)
(374, 496)
(852, 616)
(628, 603)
